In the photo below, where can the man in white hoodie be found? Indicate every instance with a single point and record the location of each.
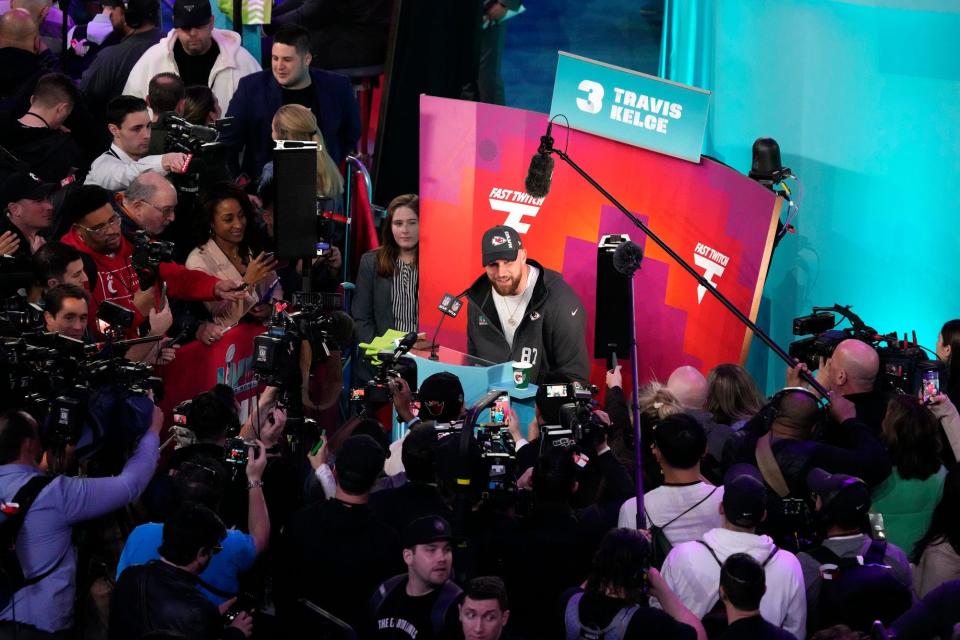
(692, 569)
(198, 53)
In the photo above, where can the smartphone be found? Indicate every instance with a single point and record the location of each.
(323, 249)
(931, 385)
(613, 361)
(356, 395)
(268, 255)
(316, 447)
(163, 297)
(500, 410)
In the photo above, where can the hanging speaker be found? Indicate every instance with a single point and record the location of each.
(295, 200)
(612, 317)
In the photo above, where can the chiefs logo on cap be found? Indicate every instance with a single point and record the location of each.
(498, 240)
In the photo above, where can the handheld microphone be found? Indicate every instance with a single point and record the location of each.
(540, 173)
(627, 258)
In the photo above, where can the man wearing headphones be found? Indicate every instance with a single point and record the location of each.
(138, 23)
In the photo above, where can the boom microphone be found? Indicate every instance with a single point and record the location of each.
(540, 173)
(627, 257)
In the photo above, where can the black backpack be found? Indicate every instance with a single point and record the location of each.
(11, 573)
(660, 545)
(857, 594)
(449, 594)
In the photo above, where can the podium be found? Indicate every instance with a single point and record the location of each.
(477, 377)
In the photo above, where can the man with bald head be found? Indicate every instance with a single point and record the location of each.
(851, 371)
(20, 61)
(689, 387)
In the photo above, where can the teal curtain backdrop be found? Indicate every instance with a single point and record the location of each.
(864, 98)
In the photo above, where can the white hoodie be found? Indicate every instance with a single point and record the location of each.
(694, 575)
(233, 63)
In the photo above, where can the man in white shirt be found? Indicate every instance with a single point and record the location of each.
(692, 569)
(198, 53)
(129, 123)
(684, 507)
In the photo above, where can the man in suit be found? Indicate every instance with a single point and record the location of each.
(290, 81)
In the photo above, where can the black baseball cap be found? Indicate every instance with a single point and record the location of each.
(500, 243)
(189, 14)
(744, 496)
(841, 494)
(24, 186)
(361, 460)
(426, 530)
(441, 397)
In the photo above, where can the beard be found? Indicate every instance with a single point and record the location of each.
(506, 288)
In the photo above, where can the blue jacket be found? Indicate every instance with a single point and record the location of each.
(257, 99)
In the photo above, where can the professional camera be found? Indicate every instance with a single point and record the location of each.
(903, 363)
(208, 161)
(487, 432)
(392, 365)
(19, 316)
(147, 256)
(186, 137)
(318, 319)
(578, 424)
(79, 397)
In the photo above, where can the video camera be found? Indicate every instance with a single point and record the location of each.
(393, 365)
(187, 137)
(498, 454)
(208, 156)
(903, 364)
(318, 318)
(578, 424)
(147, 256)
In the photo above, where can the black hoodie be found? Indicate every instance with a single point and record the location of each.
(551, 336)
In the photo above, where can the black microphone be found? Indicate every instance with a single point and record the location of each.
(627, 257)
(450, 305)
(540, 173)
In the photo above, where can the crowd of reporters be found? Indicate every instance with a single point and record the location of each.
(794, 516)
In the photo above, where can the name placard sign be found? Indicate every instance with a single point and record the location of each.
(631, 107)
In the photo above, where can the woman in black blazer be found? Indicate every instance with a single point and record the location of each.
(386, 296)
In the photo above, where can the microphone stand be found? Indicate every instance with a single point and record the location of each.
(635, 384)
(546, 147)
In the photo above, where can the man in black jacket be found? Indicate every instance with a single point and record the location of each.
(162, 595)
(520, 311)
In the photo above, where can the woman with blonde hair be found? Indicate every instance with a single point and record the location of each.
(296, 122)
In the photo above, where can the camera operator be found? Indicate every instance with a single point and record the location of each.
(420, 495)
(614, 600)
(794, 450)
(200, 480)
(162, 595)
(129, 123)
(44, 545)
(851, 371)
(441, 400)
(96, 232)
(340, 541)
(552, 547)
(57, 263)
(65, 311)
(166, 93)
